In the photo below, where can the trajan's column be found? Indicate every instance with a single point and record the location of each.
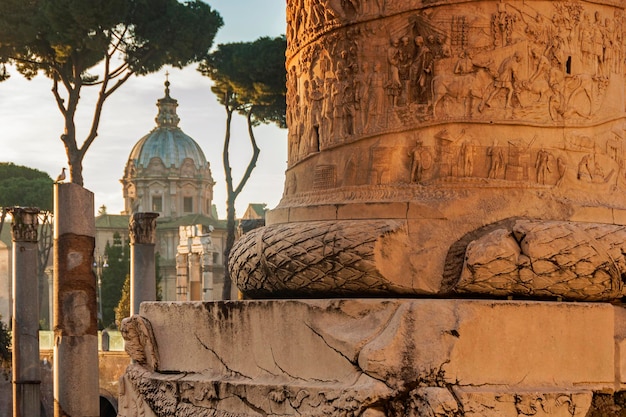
(451, 240)
(428, 138)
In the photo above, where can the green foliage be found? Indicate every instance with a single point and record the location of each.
(122, 310)
(251, 77)
(123, 307)
(68, 37)
(23, 186)
(113, 276)
(67, 40)
(5, 351)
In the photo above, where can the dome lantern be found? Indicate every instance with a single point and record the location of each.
(167, 116)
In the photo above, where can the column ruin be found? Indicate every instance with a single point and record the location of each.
(26, 369)
(142, 232)
(75, 324)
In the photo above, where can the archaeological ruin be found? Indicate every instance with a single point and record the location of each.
(452, 235)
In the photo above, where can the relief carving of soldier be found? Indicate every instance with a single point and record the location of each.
(507, 79)
(421, 160)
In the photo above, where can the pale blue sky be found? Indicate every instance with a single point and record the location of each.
(31, 123)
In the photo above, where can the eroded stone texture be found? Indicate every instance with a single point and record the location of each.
(445, 116)
(522, 258)
(374, 358)
(316, 258)
(576, 261)
(608, 405)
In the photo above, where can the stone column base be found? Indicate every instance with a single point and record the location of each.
(376, 357)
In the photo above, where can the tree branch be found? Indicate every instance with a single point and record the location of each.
(57, 96)
(225, 154)
(253, 159)
(102, 96)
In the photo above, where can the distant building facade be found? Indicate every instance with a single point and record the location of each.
(168, 173)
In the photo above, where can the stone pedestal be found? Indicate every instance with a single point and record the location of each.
(385, 357)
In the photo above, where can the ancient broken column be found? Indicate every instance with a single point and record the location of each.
(25, 329)
(76, 385)
(142, 232)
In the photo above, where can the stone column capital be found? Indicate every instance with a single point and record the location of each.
(25, 223)
(142, 228)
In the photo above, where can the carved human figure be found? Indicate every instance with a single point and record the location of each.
(542, 164)
(496, 153)
(466, 157)
(618, 44)
(506, 79)
(465, 64)
(585, 168)
(335, 8)
(537, 30)
(422, 72)
(597, 38)
(404, 67)
(327, 109)
(376, 100)
(394, 86)
(585, 39)
(442, 48)
(344, 104)
(556, 80)
(561, 167)
(316, 97)
(362, 91)
(317, 16)
(538, 83)
(542, 65)
(607, 45)
(420, 161)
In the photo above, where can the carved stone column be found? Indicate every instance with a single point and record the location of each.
(415, 124)
(76, 384)
(142, 231)
(26, 370)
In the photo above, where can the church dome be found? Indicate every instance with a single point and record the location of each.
(167, 141)
(167, 171)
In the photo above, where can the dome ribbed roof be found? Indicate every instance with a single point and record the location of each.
(167, 141)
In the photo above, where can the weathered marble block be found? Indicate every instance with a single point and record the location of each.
(390, 357)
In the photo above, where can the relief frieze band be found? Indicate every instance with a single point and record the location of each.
(531, 63)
